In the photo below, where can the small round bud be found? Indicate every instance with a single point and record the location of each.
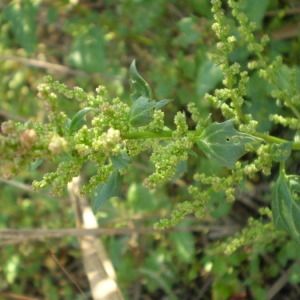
(57, 144)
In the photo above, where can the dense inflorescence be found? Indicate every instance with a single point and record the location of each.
(110, 133)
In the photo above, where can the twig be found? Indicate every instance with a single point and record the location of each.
(78, 232)
(97, 265)
(66, 272)
(43, 65)
(15, 236)
(280, 282)
(12, 296)
(18, 184)
(40, 64)
(290, 11)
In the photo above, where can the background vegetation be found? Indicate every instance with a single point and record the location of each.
(87, 43)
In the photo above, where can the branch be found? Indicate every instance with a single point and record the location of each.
(15, 236)
(97, 265)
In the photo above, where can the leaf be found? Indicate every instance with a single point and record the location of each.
(209, 75)
(34, 165)
(121, 161)
(184, 245)
(22, 16)
(107, 190)
(223, 144)
(260, 102)
(286, 204)
(141, 112)
(88, 49)
(181, 168)
(78, 120)
(162, 103)
(138, 84)
(281, 152)
(255, 10)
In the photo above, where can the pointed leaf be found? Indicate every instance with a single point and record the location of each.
(79, 119)
(138, 84)
(121, 161)
(107, 190)
(141, 112)
(34, 165)
(160, 104)
(286, 204)
(223, 144)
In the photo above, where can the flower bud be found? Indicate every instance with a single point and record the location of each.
(28, 138)
(57, 144)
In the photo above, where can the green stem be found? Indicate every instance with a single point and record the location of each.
(168, 135)
(147, 135)
(269, 138)
(282, 167)
(294, 110)
(275, 140)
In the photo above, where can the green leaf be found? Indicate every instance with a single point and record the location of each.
(22, 16)
(160, 104)
(181, 168)
(88, 49)
(260, 103)
(79, 119)
(255, 10)
(184, 245)
(138, 84)
(223, 144)
(107, 190)
(209, 75)
(143, 104)
(141, 112)
(286, 204)
(121, 161)
(281, 152)
(34, 165)
(189, 32)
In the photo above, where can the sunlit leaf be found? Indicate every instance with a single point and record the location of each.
(138, 84)
(223, 144)
(143, 104)
(141, 111)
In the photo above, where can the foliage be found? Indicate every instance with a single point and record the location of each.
(234, 121)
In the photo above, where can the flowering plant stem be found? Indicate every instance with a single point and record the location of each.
(196, 133)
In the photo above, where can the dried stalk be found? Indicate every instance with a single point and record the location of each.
(98, 267)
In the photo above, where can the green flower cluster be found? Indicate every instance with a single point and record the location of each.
(109, 133)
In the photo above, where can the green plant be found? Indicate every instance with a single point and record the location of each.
(255, 91)
(118, 131)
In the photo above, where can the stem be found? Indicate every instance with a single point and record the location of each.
(294, 110)
(147, 135)
(168, 135)
(275, 140)
(282, 167)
